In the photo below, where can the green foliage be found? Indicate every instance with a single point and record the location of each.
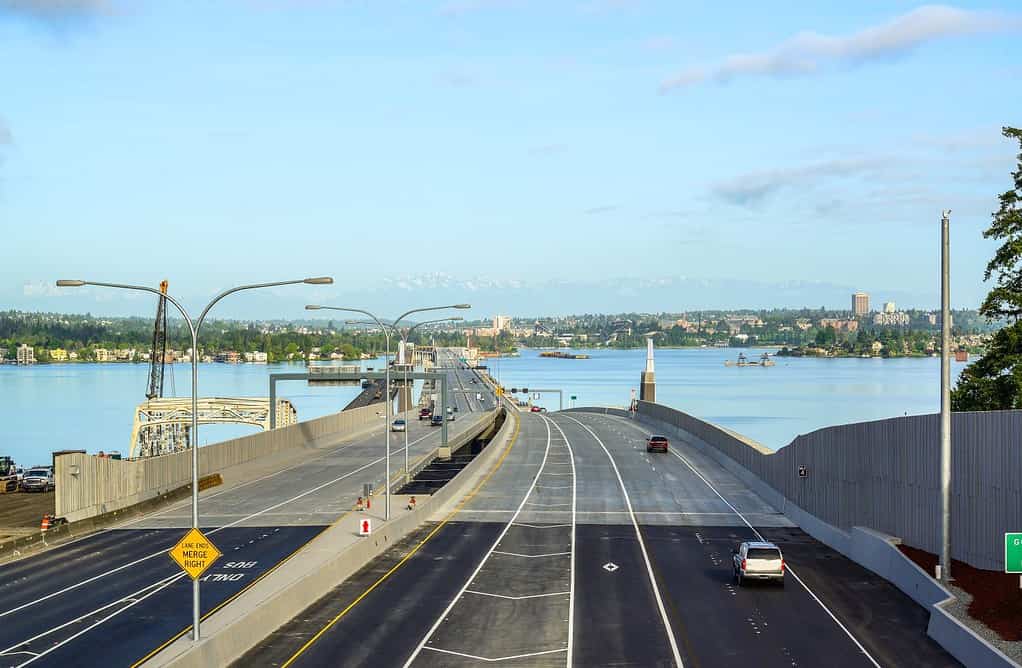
(994, 381)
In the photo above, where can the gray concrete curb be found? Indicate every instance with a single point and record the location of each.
(871, 549)
(311, 572)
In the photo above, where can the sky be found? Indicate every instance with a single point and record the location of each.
(536, 157)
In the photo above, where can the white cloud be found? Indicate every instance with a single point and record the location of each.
(808, 52)
(754, 187)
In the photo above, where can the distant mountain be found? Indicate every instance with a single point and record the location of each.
(488, 295)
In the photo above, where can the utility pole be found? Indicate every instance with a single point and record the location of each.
(944, 569)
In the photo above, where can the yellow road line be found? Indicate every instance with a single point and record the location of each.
(411, 553)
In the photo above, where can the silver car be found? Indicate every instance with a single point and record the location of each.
(757, 560)
(37, 480)
(398, 425)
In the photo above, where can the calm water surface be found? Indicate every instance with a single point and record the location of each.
(57, 406)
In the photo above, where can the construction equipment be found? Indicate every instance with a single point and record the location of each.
(158, 355)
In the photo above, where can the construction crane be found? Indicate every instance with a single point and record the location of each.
(158, 355)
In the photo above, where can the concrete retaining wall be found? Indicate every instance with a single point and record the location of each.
(87, 485)
(321, 565)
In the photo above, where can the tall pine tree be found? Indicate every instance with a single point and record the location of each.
(994, 381)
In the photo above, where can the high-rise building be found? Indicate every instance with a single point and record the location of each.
(860, 303)
(889, 307)
(26, 354)
(501, 323)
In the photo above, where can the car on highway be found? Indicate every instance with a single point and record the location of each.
(535, 409)
(757, 560)
(398, 425)
(425, 414)
(436, 420)
(656, 443)
(37, 480)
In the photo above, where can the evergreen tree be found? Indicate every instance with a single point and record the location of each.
(994, 381)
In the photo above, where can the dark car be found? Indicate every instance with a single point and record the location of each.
(656, 443)
(425, 414)
(436, 420)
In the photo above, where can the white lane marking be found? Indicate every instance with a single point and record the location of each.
(544, 503)
(642, 546)
(213, 531)
(516, 598)
(155, 586)
(571, 580)
(500, 658)
(532, 556)
(542, 526)
(790, 570)
(479, 567)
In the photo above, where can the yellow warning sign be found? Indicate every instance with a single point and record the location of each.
(194, 553)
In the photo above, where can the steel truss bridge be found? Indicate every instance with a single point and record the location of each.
(162, 425)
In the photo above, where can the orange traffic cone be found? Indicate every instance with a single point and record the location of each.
(359, 505)
(411, 503)
(45, 526)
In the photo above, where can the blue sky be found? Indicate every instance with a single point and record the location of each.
(504, 143)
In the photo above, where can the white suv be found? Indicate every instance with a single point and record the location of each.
(757, 560)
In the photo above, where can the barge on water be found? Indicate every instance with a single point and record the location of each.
(564, 356)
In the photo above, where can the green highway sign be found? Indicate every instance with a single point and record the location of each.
(1013, 552)
(573, 397)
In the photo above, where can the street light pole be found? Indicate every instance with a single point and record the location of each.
(193, 328)
(945, 397)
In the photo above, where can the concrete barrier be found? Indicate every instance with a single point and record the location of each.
(314, 570)
(87, 486)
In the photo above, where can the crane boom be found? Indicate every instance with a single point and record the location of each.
(157, 356)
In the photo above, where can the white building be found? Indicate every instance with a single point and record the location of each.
(255, 357)
(889, 307)
(26, 354)
(501, 323)
(899, 319)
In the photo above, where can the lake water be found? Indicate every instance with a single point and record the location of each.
(61, 406)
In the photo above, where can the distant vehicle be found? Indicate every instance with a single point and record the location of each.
(534, 409)
(479, 396)
(436, 420)
(398, 425)
(450, 410)
(756, 560)
(37, 480)
(425, 413)
(655, 443)
(450, 417)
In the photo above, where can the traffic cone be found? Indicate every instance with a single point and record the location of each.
(411, 503)
(45, 526)
(359, 505)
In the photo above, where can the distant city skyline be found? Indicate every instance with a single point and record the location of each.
(523, 148)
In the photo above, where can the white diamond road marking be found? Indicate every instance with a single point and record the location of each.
(610, 567)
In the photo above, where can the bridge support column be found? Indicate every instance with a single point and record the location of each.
(647, 380)
(404, 398)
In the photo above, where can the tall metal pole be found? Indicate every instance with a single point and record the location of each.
(945, 397)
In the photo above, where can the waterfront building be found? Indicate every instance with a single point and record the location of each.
(101, 354)
(3, 355)
(501, 323)
(58, 355)
(860, 303)
(257, 357)
(26, 354)
(73, 356)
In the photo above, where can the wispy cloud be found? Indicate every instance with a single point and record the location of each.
(753, 188)
(54, 12)
(548, 149)
(6, 138)
(808, 53)
(596, 210)
(658, 43)
(462, 7)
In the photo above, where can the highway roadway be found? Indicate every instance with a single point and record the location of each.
(110, 598)
(582, 549)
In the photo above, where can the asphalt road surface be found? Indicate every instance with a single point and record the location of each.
(582, 549)
(111, 598)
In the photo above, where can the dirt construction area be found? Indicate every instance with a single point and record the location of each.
(22, 512)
